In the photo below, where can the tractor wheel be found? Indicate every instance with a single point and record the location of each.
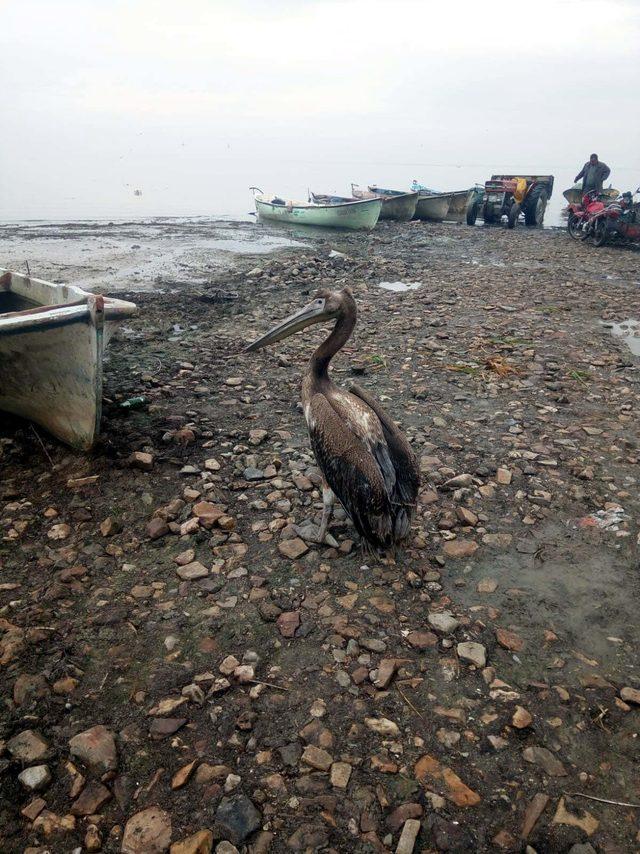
(488, 216)
(574, 227)
(472, 211)
(514, 213)
(600, 232)
(535, 206)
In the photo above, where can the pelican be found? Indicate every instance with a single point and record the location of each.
(366, 461)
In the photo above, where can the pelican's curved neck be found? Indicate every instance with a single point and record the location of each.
(339, 336)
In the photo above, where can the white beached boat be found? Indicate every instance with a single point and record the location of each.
(330, 212)
(52, 339)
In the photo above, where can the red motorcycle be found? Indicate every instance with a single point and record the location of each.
(581, 214)
(619, 221)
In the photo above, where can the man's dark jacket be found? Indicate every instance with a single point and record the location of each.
(602, 174)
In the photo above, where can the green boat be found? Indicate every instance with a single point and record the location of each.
(327, 214)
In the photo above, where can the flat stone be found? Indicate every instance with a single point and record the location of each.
(200, 843)
(35, 778)
(92, 797)
(585, 821)
(340, 774)
(458, 481)
(293, 549)
(408, 836)
(147, 832)
(521, 718)
(443, 622)
(422, 640)
(163, 727)
(317, 758)
(630, 695)
(386, 669)
(428, 769)
(459, 549)
(228, 665)
(533, 812)
(473, 652)
(96, 748)
(141, 460)
(288, 623)
(544, 759)
(509, 640)
(33, 809)
(382, 726)
(192, 571)
(182, 775)
(207, 512)
(28, 746)
(156, 528)
(503, 476)
(372, 644)
(237, 818)
(400, 814)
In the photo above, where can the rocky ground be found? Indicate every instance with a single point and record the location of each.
(183, 666)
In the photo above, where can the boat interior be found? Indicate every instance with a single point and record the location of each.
(20, 293)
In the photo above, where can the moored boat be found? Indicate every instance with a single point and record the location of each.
(52, 340)
(457, 205)
(432, 206)
(396, 204)
(353, 213)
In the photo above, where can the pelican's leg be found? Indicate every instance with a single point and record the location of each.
(328, 499)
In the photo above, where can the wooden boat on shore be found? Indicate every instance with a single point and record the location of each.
(457, 205)
(432, 206)
(352, 213)
(396, 204)
(52, 340)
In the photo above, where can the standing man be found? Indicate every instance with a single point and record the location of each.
(594, 173)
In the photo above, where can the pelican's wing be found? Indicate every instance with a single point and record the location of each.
(404, 460)
(351, 471)
(361, 420)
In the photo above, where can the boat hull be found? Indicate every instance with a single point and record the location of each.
(395, 205)
(399, 208)
(457, 206)
(432, 208)
(53, 377)
(359, 215)
(51, 358)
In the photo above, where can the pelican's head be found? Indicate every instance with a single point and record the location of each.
(327, 305)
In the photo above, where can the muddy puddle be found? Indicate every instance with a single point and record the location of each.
(628, 331)
(399, 287)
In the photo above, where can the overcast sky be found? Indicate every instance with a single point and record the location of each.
(192, 101)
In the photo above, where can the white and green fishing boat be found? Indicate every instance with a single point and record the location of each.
(329, 213)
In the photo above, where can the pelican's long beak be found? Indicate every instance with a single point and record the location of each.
(315, 312)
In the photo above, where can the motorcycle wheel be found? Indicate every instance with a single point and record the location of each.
(600, 233)
(574, 227)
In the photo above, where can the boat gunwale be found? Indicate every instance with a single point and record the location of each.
(392, 195)
(312, 207)
(59, 313)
